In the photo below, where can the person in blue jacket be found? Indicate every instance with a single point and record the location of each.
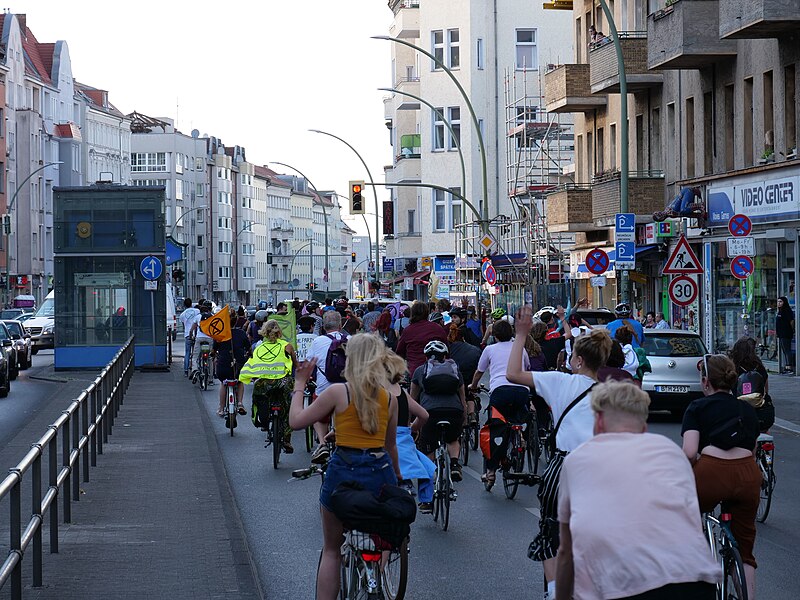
(623, 313)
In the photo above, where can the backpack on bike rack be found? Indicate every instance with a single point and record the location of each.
(494, 433)
(388, 515)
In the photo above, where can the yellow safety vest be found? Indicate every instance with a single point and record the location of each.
(269, 361)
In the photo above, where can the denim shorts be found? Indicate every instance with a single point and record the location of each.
(362, 467)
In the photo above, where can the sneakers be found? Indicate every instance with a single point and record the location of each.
(472, 419)
(425, 508)
(407, 485)
(320, 455)
(455, 470)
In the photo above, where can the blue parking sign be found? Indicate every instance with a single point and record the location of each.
(625, 256)
(625, 223)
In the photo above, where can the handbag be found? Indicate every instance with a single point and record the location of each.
(552, 439)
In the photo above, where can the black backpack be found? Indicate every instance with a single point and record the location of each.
(750, 387)
(441, 378)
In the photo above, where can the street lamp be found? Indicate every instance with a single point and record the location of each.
(187, 212)
(325, 214)
(249, 226)
(374, 192)
(8, 211)
(311, 262)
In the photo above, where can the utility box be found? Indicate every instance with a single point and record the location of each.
(104, 235)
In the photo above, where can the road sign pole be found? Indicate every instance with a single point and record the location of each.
(153, 321)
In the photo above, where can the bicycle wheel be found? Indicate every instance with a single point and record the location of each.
(533, 449)
(516, 463)
(447, 490)
(734, 585)
(277, 438)
(203, 379)
(767, 485)
(395, 573)
(437, 488)
(464, 443)
(309, 439)
(231, 419)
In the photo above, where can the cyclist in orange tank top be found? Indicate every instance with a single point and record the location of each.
(365, 415)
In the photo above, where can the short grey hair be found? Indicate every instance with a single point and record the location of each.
(331, 321)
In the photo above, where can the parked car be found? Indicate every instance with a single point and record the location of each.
(675, 380)
(11, 367)
(25, 316)
(42, 325)
(11, 313)
(5, 375)
(596, 316)
(22, 344)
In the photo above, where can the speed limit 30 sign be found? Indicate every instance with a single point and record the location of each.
(683, 290)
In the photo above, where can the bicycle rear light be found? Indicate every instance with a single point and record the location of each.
(370, 555)
(768, 446)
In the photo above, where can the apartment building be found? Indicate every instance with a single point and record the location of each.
(712, 104)
(106, 134)
(41, 131)
(497, 52)
(274, 249)
(162, 155)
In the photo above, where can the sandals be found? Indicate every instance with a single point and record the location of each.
(488, 480)
(241, 409)
(220, 412)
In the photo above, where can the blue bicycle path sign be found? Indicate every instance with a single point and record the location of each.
(151, 268)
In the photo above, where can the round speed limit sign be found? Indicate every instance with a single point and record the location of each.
(683, 290)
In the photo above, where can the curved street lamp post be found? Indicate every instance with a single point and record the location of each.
(8, 211)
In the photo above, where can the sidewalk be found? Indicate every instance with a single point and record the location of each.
(157, 518)
(785, 392)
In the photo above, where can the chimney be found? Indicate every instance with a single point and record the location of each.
(23, 24)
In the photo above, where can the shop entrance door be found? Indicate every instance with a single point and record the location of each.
(787, 261)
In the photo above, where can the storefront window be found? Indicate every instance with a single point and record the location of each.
(746, 308)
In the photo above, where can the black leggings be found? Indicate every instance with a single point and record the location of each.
(698, 590)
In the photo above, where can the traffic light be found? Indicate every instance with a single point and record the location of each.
(352, 257)
(311, 286)
(7, 224)
(177, 275)
(357, 198)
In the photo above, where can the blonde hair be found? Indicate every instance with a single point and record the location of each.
(593, 348)
(270, 330)
(365, 372)
(396, 367)
(621, 397)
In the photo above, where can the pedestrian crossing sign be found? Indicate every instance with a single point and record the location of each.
(682, 260)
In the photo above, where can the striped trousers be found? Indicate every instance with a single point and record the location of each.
(545, 544)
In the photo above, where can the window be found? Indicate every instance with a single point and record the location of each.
(248, 272)
(612, 154)
(789, 108)
(200, 239)
(527, 57)
(709, 147)
(199, 190)
(438, 129)
(201, 216)
(178, 189)
(439, 211)
(225, 272)
(689, 149)
(453, 49)
(200, 269)
(148, 161)
(437, 41)
(224, 222)
(412, 217)
(454, 116)
(655, 144)
(456, 218)
(748, 117)
(480, 57)
(2, 123)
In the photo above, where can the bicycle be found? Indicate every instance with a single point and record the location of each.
(443, 492)
(274, 425)
(765, 455)
(308, 396)
(470, 435)
(365, 555)
(725, 549)
(203, 373)
(230, 412)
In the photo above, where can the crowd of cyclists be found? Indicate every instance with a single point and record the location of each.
(386, 380)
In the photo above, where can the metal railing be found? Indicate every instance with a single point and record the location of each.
(84, 426)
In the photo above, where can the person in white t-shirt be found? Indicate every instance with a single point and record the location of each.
(305, 337)
(200, 337)
(628, 510)
(560, 391)
(186, 318)
(332, 323)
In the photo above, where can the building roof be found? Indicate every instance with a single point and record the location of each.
(68, 130)
(270, 175)
(322, 199)
(38, 57)
(143, 124)
(97, 99)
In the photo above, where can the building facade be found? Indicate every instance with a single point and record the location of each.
(106, 134)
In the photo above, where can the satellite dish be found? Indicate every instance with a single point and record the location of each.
(195, 133)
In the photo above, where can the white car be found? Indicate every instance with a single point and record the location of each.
(675, 380)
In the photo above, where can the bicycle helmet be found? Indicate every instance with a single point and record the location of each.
(498, 313)
(623, 309)
(436, 317)
(261, 316)
(544, 309)
(312, 306)
(435, 348)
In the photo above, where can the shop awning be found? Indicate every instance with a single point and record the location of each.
(419, 277)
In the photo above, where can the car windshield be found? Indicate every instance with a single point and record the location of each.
(10, 313)
(596, 317)
(48, 308)
(673, 345)
(4, 333)
(14, 328)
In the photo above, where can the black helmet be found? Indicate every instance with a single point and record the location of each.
(623, 309)
(312, 306)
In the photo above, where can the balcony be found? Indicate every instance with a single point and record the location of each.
(409, 83)
(604, 70)
(645, 195)
(685, 36)
(569, 209)
(406, 19)
(566, 89)
(749, 19)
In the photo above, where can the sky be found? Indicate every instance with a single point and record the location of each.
(259, 77)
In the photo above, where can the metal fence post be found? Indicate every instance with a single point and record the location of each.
(103, 397)
(36, 510)
(93, 414)
(84, 407)
(52, 449)
(76, 467)
(16, 536)
(65, 445)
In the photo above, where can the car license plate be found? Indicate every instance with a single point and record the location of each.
(672, 389)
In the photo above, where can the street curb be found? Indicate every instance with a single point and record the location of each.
(233, 518)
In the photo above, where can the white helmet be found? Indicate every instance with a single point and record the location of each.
(544, 309)
(435, 347)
